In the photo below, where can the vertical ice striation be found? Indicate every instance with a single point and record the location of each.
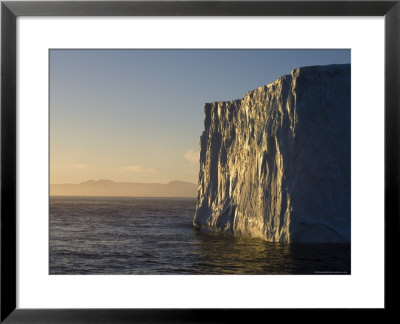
(276, 164)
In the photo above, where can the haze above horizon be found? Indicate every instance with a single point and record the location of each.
(137, 115)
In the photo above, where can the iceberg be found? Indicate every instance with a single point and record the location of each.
(276, 163)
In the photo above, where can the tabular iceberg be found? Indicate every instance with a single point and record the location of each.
(276, 164)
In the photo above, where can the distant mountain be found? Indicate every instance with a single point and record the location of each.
(125, 189)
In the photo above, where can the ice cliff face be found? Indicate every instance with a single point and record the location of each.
(276, 164)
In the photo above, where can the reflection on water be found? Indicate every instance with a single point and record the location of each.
(155, 236)
(235, 255)
(230, 255)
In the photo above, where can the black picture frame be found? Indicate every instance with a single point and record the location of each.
(10, 10)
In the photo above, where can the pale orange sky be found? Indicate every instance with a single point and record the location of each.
(137, 115)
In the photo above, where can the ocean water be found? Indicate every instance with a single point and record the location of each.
(108, 235)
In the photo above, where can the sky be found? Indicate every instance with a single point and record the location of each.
(137, 115)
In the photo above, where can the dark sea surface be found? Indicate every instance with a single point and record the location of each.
(108, 235)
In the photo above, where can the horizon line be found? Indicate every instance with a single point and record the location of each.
(113, 181)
